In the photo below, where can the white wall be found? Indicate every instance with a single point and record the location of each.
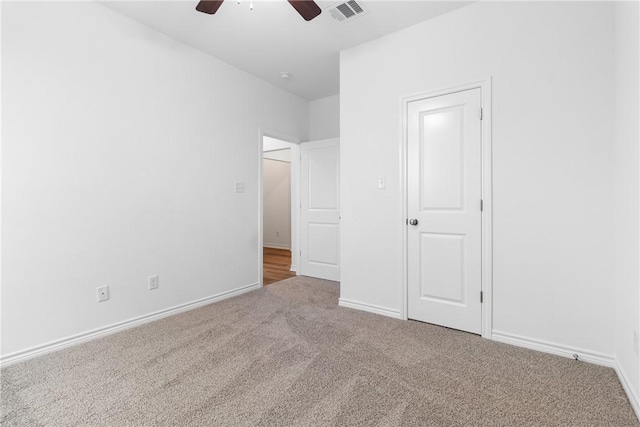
(121, 148)
(324, 118)
(272, 144)
(552, 159)
(627, 191)
(277, 200)
(283, 155)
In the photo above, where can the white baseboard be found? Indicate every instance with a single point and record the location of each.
(29, 353)
(276, 246)
(584, 355)
(370, 308)
(626, 385)
(293, 268)
(553, 348)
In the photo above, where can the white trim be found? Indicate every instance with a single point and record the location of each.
(1, 186)
(487, 214)
(554, 348)
(276, 246)
(583, 355)
(626, 385)
(487, 196)
(72, 340)
(276, 160)
(370, 308)
(294, 268)
(260, 206)
(404, 215)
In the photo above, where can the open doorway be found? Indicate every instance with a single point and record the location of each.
(279, 218)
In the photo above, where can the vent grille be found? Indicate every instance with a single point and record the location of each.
(355, 6)
(347, 10)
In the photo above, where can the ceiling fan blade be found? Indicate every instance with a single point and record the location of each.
(308, 9)
(209, 6)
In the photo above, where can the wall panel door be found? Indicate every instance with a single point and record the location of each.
(320, 210)
(444, 197)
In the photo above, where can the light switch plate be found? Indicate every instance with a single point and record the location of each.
(382, 183)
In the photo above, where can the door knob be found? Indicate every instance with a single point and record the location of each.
(413, 221)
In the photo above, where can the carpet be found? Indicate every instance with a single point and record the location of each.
(287, 355)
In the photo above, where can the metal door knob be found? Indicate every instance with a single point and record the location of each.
(413, 221)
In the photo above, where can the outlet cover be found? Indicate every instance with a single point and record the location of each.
(154, 282)
(102, 293)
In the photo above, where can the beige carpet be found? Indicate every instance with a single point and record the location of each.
(288, 355)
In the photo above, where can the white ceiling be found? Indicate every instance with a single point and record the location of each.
(273, 38)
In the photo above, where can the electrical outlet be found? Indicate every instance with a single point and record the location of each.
(636, 344)
(102, 293)
(277, 234)
(154, 282)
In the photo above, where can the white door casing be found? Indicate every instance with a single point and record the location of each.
(444, 192)
(320, 209)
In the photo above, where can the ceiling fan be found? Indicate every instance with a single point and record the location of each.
(308, 9)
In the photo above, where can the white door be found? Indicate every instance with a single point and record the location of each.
(320, 210)
(444, 207)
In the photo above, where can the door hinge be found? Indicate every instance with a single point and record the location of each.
(481, 205)
(480, 113)
(481, 297)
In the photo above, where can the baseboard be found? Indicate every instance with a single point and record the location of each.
(626, 385)
(370, 308)
(553, 348)
(50, 347)
(275, 246)
(584, 355)
(293, 268)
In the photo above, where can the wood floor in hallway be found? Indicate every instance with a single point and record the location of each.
(276, 265)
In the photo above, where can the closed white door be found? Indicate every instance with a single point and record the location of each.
(444, 207)
(320, 210)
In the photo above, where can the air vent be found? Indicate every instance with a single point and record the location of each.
(347, 10)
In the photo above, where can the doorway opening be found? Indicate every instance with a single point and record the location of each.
(279, 218)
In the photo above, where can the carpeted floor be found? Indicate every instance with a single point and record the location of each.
(288, 355)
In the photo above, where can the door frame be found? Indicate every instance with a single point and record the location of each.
(486, 191)
(295, 197)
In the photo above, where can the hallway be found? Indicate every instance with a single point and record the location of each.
(276, 265)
